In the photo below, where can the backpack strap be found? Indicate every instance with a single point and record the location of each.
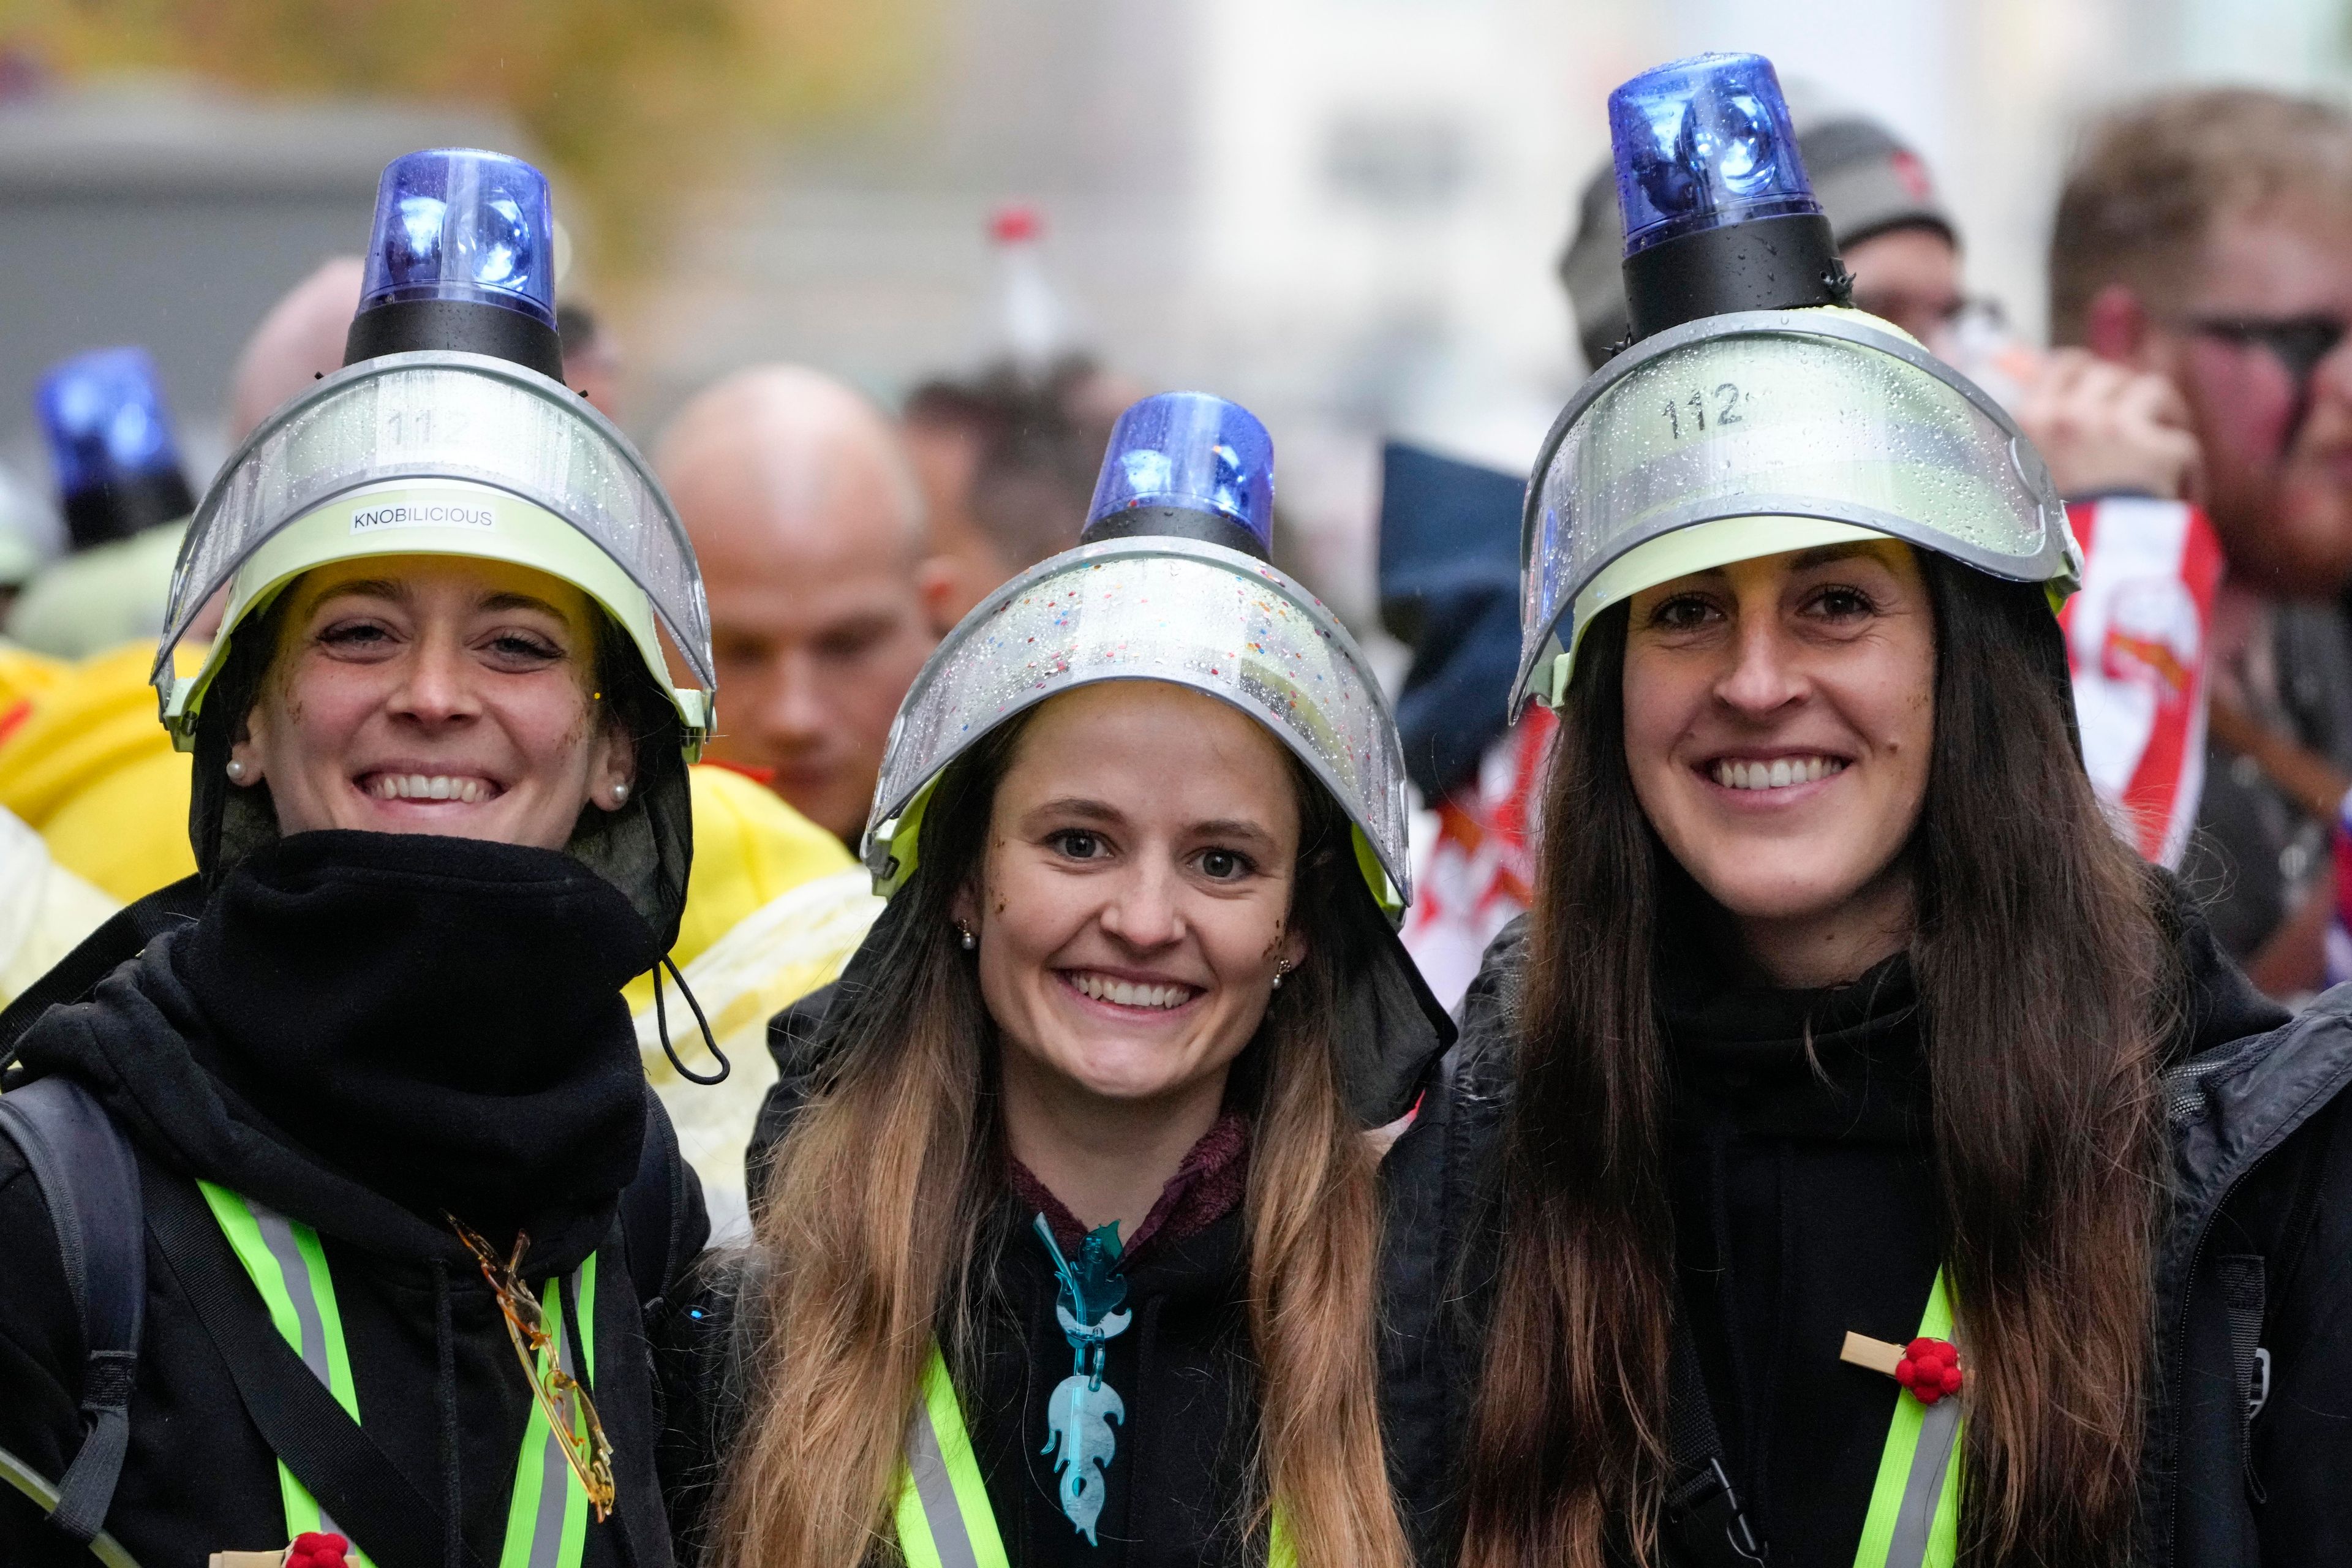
(2244, 1290)
(1705, 1525)
(38, 1488)
(2247, 1289)
(330, 1454)
(90, 1179)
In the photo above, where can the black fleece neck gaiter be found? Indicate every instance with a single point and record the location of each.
(438, 1018)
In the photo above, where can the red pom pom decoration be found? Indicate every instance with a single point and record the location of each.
(1930, 1369)
(313, 1550)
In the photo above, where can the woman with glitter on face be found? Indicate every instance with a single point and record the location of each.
(1067, 1243)
(393, 1200)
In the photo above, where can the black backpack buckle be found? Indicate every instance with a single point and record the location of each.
(1706, 1527)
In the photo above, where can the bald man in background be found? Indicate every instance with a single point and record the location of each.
(300, 339)
(807, 516)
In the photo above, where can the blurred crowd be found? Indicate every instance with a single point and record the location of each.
(2194, 406)
(1031, 622)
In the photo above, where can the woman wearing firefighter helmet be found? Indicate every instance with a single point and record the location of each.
(408, 1196)
(1876, 1160)
(1067, 1251)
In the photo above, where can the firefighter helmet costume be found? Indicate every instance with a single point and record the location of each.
(1170, 582)
(449, 432)
(1755, 412)
(1170, 585)
(358, 1061)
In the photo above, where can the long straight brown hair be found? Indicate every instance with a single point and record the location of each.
(871, 1240)
(2044, 954)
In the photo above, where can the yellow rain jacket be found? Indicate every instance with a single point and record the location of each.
(87, 766)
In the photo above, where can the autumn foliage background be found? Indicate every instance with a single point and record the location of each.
(634, 104)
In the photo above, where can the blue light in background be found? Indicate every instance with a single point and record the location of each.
(1191, 452)
(104, 416)
(1701, 143)
(458, 224)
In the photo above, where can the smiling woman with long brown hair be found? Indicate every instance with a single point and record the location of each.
(1067, 1249)
(1860, 1156)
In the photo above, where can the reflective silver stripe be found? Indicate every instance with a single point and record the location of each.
(277, 1235)
(554, 1470)
(929, 1469)
(1914, 1525)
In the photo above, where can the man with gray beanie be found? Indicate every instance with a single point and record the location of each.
(1892, 230)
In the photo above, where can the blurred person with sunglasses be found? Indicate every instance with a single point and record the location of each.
(2207, 236)
(336, 1203)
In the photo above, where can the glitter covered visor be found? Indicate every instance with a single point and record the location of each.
(1177, 610)
(1827, 418)
(444, 415)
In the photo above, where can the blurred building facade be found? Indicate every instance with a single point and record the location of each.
(158, 213)
(1346, 212)
(1343, 212)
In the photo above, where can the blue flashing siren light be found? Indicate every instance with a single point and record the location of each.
(461, 256)
(110, 441)
(1189, 465)
(1719, 216)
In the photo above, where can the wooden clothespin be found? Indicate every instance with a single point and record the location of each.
(308, 1550)
(1930, 1368)
(1879, 1356)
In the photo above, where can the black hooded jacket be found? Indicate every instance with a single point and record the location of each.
(1805, 1206)
(361, 1031)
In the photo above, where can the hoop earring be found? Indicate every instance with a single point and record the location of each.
(964, 937)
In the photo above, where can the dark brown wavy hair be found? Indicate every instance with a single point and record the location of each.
(872, 1234)
(2043, 951)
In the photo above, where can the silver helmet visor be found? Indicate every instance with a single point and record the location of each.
(1813, 414)
(452, 416)
(1152, 608)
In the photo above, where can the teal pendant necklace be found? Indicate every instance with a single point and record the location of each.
(1078, 1416)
